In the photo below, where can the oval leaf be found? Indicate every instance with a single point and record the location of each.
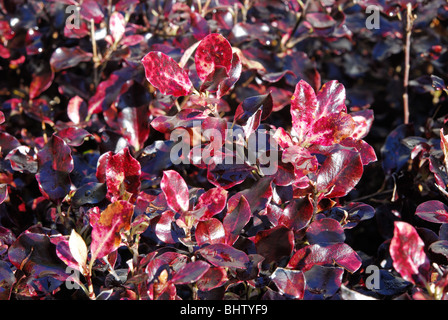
(191, 272)
(213, 51)
(166, 75)
(289, 282)
(175, 190)
(433, 211)
(222, 255)
(408, 254)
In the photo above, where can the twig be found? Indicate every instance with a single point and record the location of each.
(407, 51)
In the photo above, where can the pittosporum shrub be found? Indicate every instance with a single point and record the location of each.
(222, 150)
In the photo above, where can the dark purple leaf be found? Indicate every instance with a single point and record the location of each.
(235, 220)
(191, 272)
(275, 243)
(223, 255)
(323, 280)
(340, 253)
(213, 278)
(289, 282)
(325, 231)
(433, 211)
(64, 58)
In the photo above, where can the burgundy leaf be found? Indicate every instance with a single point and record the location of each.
(236, 218)
(35, 255)
(73, 136)
(223, 255)
(55, 163)
(191, 272)
(325, 231)
(166, 75)
(275, 243)
(175, 190)
(3, 192)
(339, 173)
(7, 279)
(340, 253)
(213, 278)
(407, 251)
(121, 172)
(91, 9)
(297, 214)
(22, 159)
(106, 231)
(134, 125)
(433, 211)
(323, 280)
(214, 199)
(41, 81)
(289, 282)
(64, 58)
(234, 75)
(251, 105)
(213, 51)
(164, 227)
(209, 232)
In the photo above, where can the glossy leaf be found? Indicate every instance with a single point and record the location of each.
(339, 173)
(408, 254)
(166, 75)
(64, 58)
(213, 278)
(235, 220)
(222, 255)
(275, 243)
(209, 232)
(325, 231)
(106, 231)
(213, 51)
(55, 163)
(340, 253)
(289, 282)
(175, 190)
(121, 173)
(191, 272)
(433, 211)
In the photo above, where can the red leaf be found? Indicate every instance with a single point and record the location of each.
(289, 282)
(407, 251)
(164, 227)
(433, 211)
(73, 136)
(41, 81)
(209, 232)
(213, 278)
(223, 255)
(106, 231)
(325, 231)
(191, 272)
(339, 173)
(297, 214)
(117, 25)
(166, 75)
(214, 199)
(235, 220)
(175, 190)
(64, 58)
(121, 172)
(320, 118)
(339, 253)
(275, 243)
(213, 51)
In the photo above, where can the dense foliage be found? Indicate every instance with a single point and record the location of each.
(225, 149)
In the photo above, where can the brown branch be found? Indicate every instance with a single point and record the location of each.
(407, 51)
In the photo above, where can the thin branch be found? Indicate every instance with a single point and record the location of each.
(407, 51)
